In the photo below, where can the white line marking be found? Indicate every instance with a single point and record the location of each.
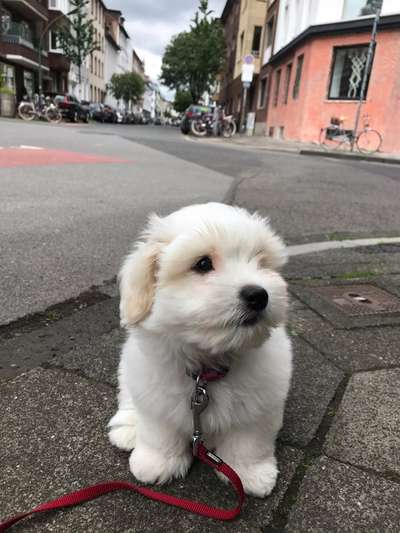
(27, 147)
(309, 248)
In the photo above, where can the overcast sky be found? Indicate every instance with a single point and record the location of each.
(152, 23)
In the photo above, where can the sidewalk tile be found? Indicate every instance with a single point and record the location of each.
(338, 498)
(314, 384)
(53, 441)
(365, 431)
(350, 350)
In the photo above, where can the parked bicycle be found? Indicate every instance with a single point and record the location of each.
(367, 140)
(41, 108)
(204, 124)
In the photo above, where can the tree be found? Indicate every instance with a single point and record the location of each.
(193, 58)
(371, 7)
(128, 87)
(77, 38)
(182, 101)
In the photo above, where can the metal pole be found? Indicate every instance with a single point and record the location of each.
(367, 70)
(243, 111)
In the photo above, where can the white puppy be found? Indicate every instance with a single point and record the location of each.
(201, 290)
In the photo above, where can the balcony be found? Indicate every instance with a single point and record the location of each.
(18, 45)
(30, 9)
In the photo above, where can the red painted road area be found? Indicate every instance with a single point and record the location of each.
(27, 157)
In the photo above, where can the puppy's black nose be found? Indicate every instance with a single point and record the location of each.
(255, 297)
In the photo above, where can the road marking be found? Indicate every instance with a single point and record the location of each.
(309, 248)
(29, 157)
(28, 147)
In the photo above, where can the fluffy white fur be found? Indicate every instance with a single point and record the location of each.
(180, 320)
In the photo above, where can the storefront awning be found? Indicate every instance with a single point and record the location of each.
(24, 62)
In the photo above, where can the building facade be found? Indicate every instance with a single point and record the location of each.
(265, 77)
(317, 67)
(22, 25)
(118, 51)
(243, 22)
(59, 65)
(96, 61)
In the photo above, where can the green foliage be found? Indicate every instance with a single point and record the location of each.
(128, 87)
(193, 58)
(77, 38)
(182, 101)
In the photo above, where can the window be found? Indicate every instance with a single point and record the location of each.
(241, 44)
(53, 40)
(287, 81)
(270, 31)
(255, 47)
(91, 63)
(262, 92)
(360, 8)
(347, 73)
(277, 84)
(299, 69)
(95, 66)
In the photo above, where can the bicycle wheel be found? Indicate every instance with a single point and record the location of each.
(26, 111)
(53, 115)
(228, 129)
(329, 141)
(199, 128)
(369, 141)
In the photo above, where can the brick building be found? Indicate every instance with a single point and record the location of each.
(318, 65)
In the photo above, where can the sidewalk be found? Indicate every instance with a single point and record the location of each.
(338, 450)
(259, 142)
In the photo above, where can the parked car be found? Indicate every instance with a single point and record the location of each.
(191, 112)
(71, 108)
(96, 111)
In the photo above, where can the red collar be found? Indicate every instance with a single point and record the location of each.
(211, 374)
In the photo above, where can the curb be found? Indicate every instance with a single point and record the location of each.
(359, 157)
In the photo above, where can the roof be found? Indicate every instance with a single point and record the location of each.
(349, 26)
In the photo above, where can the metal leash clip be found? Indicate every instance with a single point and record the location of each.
(198, 404)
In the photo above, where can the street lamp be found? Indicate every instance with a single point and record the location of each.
(40, 44)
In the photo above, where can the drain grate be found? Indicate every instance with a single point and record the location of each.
(360, 300)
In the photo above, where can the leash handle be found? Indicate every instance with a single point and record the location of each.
(95, 491)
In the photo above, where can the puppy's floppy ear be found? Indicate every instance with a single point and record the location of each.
(137, 278)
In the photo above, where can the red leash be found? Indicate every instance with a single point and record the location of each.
(90, 493)
(199, 403)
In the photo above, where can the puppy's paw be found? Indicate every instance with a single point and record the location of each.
(151, 466)
(258, 479)
(122, 429)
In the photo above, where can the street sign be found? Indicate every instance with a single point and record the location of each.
(247, 72)
(248, 60)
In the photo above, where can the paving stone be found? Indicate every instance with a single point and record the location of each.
(350, 350)
(53, 441)
(365, 431)
(98, 359)
(334, 497)
(28, 350)
(314, 384)
(370, 260)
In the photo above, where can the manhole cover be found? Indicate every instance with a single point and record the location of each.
(360, 300)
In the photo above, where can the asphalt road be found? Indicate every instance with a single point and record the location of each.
(74, 198)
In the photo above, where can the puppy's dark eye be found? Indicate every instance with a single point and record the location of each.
(203, 265)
